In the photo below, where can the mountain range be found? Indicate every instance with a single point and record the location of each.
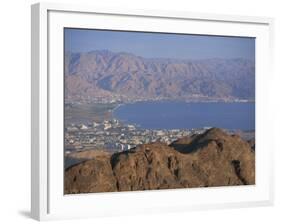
(106, 74)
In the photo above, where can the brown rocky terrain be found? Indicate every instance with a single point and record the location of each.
(213, 158)
(106, 74)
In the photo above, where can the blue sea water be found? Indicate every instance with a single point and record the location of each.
(182, 115)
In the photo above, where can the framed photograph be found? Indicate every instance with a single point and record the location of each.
(148, 111)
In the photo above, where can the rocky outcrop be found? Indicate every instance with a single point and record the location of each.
(94, 175)
(213, 158)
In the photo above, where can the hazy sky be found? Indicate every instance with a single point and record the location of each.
(160, 45)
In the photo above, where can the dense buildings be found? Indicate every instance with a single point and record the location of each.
(114, 135)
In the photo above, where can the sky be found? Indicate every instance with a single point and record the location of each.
(159, 45)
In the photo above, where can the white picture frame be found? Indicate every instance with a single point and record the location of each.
(48, 201)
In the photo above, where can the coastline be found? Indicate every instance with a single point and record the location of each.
(144, 107)
(115, 133)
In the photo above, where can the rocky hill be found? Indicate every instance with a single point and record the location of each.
(213, 158)
(106, 74)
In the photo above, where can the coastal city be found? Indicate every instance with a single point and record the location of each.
(162, 117)
(113, 135)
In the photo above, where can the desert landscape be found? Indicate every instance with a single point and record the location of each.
(137, 119)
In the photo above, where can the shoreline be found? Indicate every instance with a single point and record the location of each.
(139, 126)
(178, 101)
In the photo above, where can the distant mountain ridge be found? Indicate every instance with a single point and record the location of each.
(111, 75)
